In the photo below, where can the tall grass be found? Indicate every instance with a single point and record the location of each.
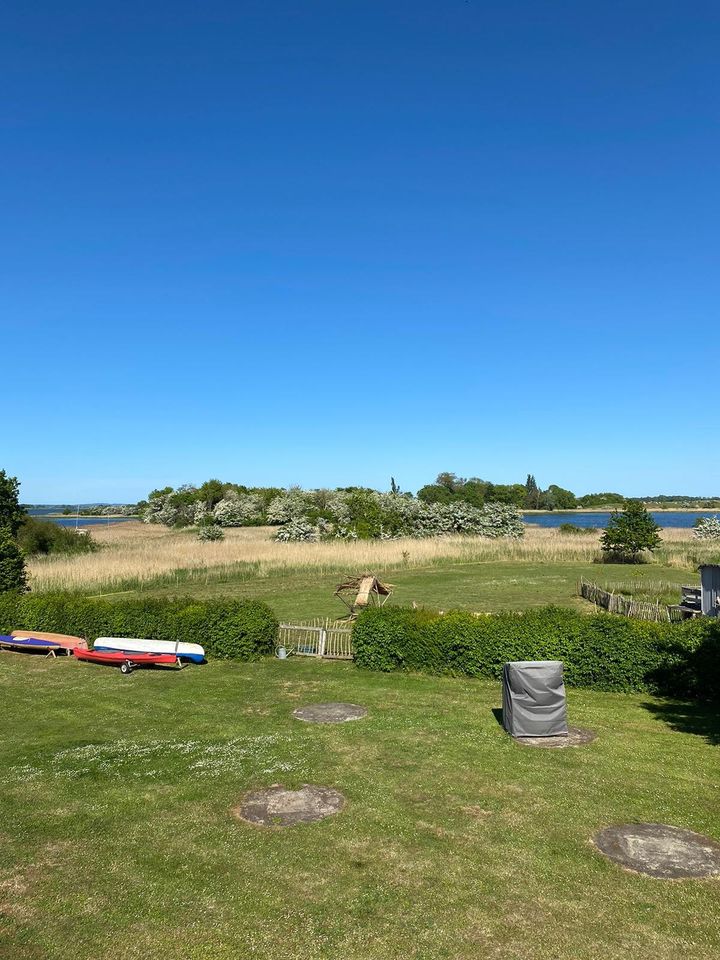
(135, 555)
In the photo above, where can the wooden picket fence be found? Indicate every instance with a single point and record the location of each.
(321, 637)
(626, 606)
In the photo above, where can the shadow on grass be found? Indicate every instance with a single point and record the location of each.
(703, 720)
(497, 713)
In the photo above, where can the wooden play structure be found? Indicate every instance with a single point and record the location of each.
(357, 593)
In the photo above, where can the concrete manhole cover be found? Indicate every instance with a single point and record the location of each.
(278, 807)
(330, 712)
(660, 851)
(576, 737)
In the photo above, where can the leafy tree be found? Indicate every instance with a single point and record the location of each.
(510, 493)
(561, 499)
(600, 499)
(629, 533)
(450, 481)
(211, 492)
(532, 493)
(13, 575)
(435, 493)
(11, 513)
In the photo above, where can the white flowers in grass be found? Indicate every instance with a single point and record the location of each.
(122, 758)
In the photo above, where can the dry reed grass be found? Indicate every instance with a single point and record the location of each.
(136, 554)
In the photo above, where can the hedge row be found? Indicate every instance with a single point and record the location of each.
(604, 651)
(231, 629)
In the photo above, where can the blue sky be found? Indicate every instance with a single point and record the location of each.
(329, 242)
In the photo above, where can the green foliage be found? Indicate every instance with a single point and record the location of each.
(557, 498)
(603, 651)
(629, 533)
(13, 575)
(600, 499)
(573, 528)
(532, 493)
(37, 537)
(209, 530)
(11, 513)
(229, 629)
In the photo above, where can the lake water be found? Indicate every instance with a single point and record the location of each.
(80, 521)
(666, 518)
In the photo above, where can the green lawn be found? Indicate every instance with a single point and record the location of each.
(474, 586)
(116, 838)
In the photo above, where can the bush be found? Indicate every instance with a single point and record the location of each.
(629, 533)
(209, 530)
(44, 537)
(707, 528)
(573, 528)
(604, 651)
(13, 575)
(228, 629)
(297, 531)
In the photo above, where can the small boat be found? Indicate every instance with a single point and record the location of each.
(183, 651)
(126, 662)
(28, 643)
(63, 640)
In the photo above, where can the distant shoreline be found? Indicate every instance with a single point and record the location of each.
(619, 506)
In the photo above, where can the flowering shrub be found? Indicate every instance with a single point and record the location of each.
(707, 528)
(291, 505)
(355, 513)
(208, 530)
(296, 531)
(238, 510)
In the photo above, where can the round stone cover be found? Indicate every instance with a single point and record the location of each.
(278, 807)
(330, 712)
(659, 850)
(576, 737)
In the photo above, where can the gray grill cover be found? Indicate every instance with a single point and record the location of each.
(534, 699)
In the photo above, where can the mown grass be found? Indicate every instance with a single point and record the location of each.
(480, 587)
(117, 841)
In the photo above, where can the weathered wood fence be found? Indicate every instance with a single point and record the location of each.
(317, 638)
(617, 603)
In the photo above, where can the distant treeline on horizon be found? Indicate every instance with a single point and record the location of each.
(447, 488)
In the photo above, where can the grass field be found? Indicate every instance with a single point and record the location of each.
(299, 579)
(117, 841)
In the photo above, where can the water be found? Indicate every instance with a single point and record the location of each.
(80, 521)
(666, 518)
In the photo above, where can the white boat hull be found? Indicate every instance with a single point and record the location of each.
(184, 651)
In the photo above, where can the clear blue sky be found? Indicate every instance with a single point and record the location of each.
(327, 241)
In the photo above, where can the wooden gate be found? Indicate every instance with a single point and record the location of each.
(317, 638)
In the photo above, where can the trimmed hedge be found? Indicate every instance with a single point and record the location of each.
(603, 651)
(229, 629)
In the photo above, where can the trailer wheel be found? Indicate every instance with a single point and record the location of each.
(126, 667)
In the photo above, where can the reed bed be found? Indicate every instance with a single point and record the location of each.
(135, 555)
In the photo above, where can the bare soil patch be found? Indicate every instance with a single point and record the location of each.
(330, 712)
(278, 807)
(576, 737)
(659, 850)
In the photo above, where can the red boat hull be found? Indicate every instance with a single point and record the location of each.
(117, 657)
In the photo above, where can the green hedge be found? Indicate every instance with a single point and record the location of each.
(604, 651)
(232, 629)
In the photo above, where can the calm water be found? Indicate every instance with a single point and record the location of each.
(668, 518)
(80, 521)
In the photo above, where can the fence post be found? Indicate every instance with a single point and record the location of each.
(321, 642)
